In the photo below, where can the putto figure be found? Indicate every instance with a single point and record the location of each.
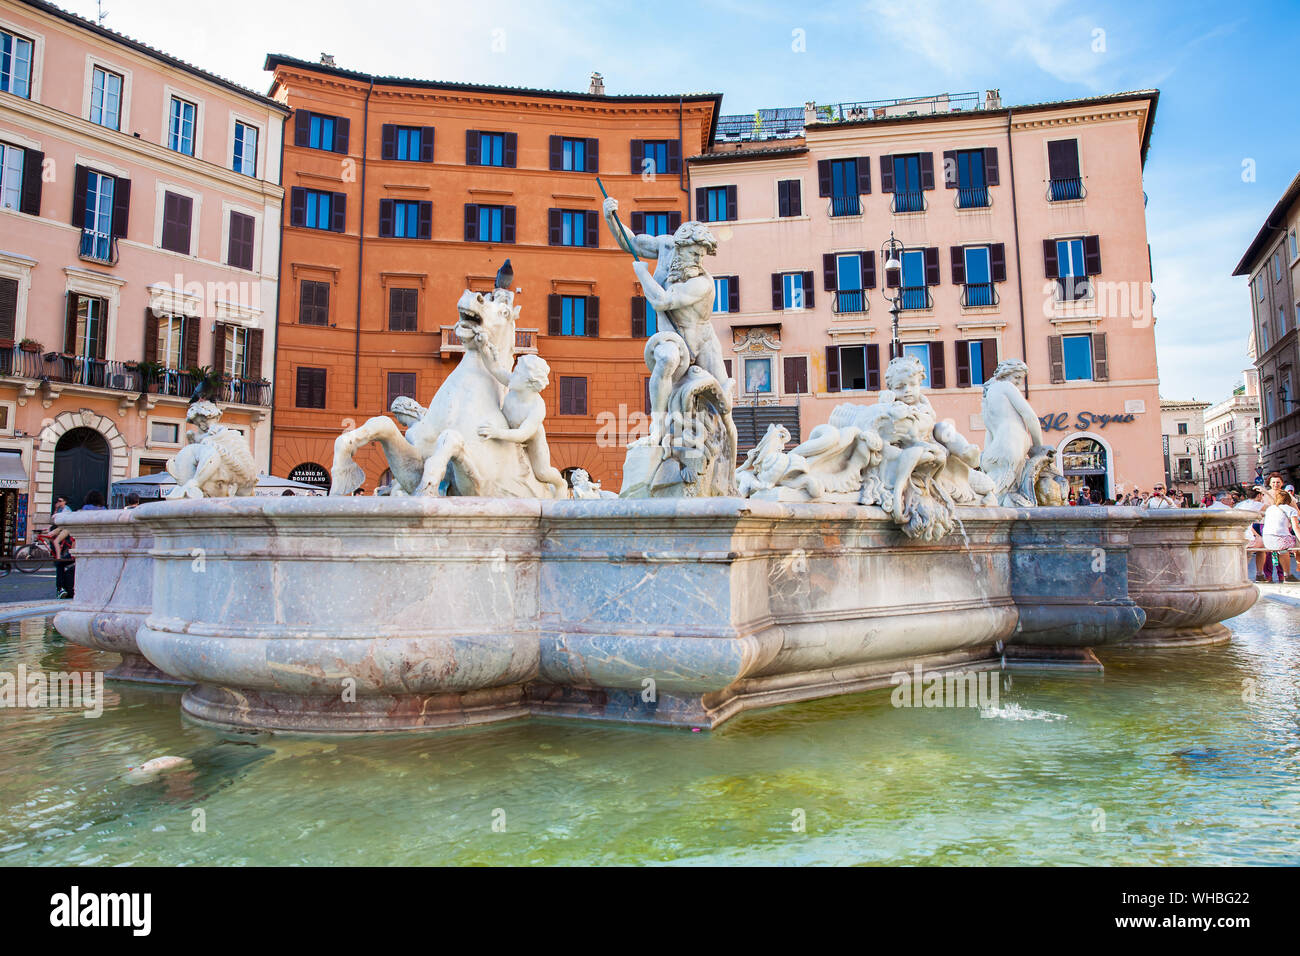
(690, 450)
(216, 461)
(1022, 468)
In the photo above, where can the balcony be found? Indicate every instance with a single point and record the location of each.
(908, 200)
(60, 368)
(1073, 289)
(98, 247)
(972, 197)
(1064, 190)
(845, 206)
(976, 295)
(851, 302)
(525, 341)
(915, 297)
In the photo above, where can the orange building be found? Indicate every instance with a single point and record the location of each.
(401, 193)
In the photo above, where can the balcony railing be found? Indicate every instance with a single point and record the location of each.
(848, 301)
(122, 376)
(1063, 190)
(915, 297)
(98, 247)
(972, 197)
(1073, 289)
(977, 294)
(845, 206)
(908, 200)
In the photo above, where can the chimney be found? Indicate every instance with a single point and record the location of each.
(327, 59)
(809, 113)
(993, 99)
(597, 87)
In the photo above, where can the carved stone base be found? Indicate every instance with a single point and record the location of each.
(137, 669)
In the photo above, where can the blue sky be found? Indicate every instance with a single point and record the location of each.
(1226, 75)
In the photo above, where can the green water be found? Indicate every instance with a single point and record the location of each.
(1080, 769)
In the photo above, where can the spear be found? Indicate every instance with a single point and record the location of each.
(630, 247)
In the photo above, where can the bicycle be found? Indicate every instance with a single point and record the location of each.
(41, 549)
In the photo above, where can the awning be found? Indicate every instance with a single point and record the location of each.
(12, 472)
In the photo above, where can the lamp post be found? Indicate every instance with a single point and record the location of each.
(892, 254)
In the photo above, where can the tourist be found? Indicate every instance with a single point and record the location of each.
(1256, 504)
(61, 535)
(1085, 497)
(1281, 526)
(1221, 503)
(287, 493)
(1275, 483)
(1158, 499)
(132, 501)
(94, 501)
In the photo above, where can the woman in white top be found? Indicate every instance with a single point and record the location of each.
(1281, 527)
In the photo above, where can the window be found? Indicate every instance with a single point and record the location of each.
(1259, 289)
(168, 433)
(1277, 267)
(314, 303)
(1063, 182)
(408, 144)
(152, 466)
(974, 174)
(789, 198)
(234, 359)
(1072, 273)
(573, 395)
(921, 352)
(1263, 337)
(844, 188)
(405, 218)
(320, 131)
(645, 320)
(758, 376)
(97, 227)
(1182, 428)
(573, 315)
(726, 294)
(1281, 322)
(245, 158)
(15, 64)
(976, 360)
(914, 291)
(792, 290)
(852, 368)
(1295, 249)
(850, 297)
(317, 209)
(400, 384)
(1184, 469)
(1270, 407)
(489, 223)
(180, 135)
(403, 310)
(657, 224)
(979, 277)
(908, 194)
(240, 251)
(177, 214)
(1077, 351)
(715, 203)
(11, 176)
(796, 374)
(489, 149)
(311, 388)
(569, 227)
(106, 99)
(656, 156)
(574, 155)
(171, 341)
(87, 316)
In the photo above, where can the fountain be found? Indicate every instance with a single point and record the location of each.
(475, 592)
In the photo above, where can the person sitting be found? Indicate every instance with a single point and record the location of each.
(1281, 528)
(94, 501)
(132, 501)
(61, 534)
(1256, 503)
(1222, 503)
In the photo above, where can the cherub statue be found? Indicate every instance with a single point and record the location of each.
(216, 461)
(768, 464)
(584, 488)
(1022, 469)
(524, 410)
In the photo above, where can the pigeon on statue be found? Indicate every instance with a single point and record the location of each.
(202, 390)
(505, 275)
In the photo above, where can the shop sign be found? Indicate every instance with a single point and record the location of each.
(1060, 421)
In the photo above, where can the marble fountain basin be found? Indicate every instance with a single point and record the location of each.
(368, 614)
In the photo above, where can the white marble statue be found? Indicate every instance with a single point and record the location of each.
(586, 489)
(895, 453)
(690, 450)
(1022, 468)
(475, 438)
(216, 461)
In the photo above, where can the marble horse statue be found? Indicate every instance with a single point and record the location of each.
(461, 444)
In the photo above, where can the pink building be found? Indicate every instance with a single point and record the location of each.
(139, 239)
(1023, 235)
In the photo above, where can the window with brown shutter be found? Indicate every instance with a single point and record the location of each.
(177, 210)
(403, 305)
(938, 372)
(1064, 182)
(400, 384)
(314, 303)
(789, 198)
(796, 374)
(1055, 359)
(832, 368)
(240, 251)
(8, 310)
(573, 395)
(1100, 362)
(310, 391)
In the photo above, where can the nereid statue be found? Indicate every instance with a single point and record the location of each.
(216, 461)
(1023, 469)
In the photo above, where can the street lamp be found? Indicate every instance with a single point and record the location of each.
(892, 253)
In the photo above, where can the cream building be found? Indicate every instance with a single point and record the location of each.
(1182, 427)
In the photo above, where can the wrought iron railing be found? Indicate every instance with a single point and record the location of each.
(123, 376)
(915, 297)
(972, 197)
(908, 200)
(98, 247)
(1073, 289)
(845, 206)
(976, 294)
(906, 106)
(1063, 190)
(848, 301)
